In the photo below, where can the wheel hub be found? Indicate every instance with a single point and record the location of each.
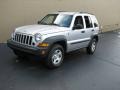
(93, 46)
(57, 57)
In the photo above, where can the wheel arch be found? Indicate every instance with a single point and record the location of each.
(95, 37)
(61, 40)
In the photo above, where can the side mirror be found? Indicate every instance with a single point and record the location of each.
(78, 26)
(38, 22)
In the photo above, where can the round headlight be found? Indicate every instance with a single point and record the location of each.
(38, 37)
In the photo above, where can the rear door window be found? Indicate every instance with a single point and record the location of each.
(88, 22)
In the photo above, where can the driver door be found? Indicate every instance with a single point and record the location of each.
(78, 38)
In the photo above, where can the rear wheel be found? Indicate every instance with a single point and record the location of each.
(55, 56)
(92, 46)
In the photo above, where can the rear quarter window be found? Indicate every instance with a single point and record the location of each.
(95, 22)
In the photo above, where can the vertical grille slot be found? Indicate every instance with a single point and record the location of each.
(23, 39)
(19, 38)
(27, 39)
(30, 40)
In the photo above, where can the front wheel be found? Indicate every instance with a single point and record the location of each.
(92, 46)
(55, 57)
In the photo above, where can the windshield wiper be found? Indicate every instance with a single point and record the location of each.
(56, 24)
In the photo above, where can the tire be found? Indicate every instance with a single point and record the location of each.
(55, 57)
(92, 46)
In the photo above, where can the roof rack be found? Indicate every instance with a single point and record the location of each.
(87, 13)
(61, 11)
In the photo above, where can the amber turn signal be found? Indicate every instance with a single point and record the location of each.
(43, 45)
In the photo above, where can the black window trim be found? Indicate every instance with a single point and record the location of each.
(82, 20)
(90, 20)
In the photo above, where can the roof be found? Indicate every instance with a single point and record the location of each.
(71, 13)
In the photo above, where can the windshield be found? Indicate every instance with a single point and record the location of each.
(62, 20)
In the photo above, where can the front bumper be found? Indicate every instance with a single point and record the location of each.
(27, 49)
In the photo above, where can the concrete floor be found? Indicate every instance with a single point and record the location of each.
(80, 71)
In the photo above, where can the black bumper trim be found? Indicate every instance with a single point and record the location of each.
(27, 49)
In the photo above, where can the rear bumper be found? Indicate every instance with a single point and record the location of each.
(27, 49)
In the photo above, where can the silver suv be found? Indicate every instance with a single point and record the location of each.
(56, 34)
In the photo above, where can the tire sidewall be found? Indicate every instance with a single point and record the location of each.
(49, 61)
(89, 49)
(93, 41)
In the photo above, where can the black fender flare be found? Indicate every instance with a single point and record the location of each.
(52, 40)
(95, 36)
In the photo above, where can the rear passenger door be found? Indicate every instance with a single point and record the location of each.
(88, 26)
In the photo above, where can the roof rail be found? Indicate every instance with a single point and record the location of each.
(61, 11)
(87, 13)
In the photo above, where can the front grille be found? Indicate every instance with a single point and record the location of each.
(23, 38)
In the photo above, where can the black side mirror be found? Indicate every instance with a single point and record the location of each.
(78, 26)
(38, 22)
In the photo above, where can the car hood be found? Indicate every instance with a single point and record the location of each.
(42, 29)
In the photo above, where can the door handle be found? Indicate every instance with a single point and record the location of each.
(93, 30)
(82, 31)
